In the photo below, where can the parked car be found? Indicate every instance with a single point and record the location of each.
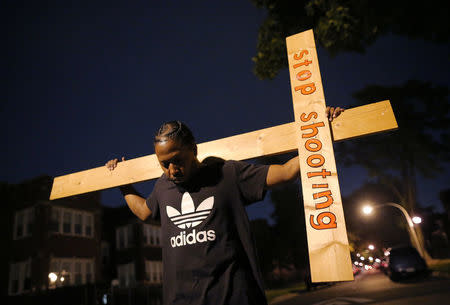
(404, 262)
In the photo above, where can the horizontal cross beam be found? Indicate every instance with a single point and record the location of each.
(352, 123)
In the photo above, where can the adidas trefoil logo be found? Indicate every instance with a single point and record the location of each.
(189, 216)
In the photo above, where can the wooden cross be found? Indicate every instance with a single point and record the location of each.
(310, 134)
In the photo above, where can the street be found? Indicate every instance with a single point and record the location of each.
(375, 288)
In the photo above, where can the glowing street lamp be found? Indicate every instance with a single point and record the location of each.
(417, 219)
(368, 209)
(371, 247)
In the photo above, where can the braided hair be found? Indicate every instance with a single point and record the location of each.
(176, 131)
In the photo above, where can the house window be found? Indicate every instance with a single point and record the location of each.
(153, 271)
(70, 271)
(23, 223)
(66, 278)
(105, 253)
(126, 275)
(71, 222)
(78, 278)
(78, 224)
(89, 276)
(124, 236)
(19, 277)
(89, 225)
(55, 220)
(67, 222)
(152, 235)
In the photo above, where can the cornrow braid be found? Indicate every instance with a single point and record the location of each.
(177, 131)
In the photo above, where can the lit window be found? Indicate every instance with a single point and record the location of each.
(70, 271)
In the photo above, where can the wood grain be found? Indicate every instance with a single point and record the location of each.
(328, 248)
(354, 122)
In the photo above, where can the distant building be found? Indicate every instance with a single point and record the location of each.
(54, 243)
(134, 247)
(74, 242)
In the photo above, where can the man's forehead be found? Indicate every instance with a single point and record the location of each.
(169, 149)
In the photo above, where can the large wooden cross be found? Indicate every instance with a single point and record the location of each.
(310, 134)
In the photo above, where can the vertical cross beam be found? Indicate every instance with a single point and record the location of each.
(328, 247)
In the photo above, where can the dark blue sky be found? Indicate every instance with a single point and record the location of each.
(88, 82)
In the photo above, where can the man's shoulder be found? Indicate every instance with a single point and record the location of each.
(161, 182)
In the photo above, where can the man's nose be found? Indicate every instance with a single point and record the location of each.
(173, 169)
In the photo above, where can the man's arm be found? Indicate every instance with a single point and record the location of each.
(281, 173)
(134, 200)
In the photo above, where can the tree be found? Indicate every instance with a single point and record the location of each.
(343, 25)
(420, 145)
(264, 239)
(289, 230)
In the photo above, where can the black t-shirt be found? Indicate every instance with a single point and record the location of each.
(208, 251)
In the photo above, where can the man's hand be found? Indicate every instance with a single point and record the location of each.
(290, 170)
(112, 164)
(135, 201)
(333, 112)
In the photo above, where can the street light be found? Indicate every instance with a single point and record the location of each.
(417, 219)
(371, 247)
(368, 209)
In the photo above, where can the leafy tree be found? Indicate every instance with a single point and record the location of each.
(264, 239)
(419, 146)
(289, 230)
(343, 25)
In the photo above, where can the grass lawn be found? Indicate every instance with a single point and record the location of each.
(442, 265)
(276, 292)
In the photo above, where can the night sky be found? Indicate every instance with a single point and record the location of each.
(87, 82)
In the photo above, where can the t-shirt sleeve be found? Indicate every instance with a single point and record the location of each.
(251, 180)
(152, 204)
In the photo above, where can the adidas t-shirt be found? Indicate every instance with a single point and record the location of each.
(208, 251)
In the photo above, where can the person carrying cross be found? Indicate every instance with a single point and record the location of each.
(209, 255)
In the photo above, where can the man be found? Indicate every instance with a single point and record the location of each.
(208, 251)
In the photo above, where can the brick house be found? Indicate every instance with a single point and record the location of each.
(54, 243)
